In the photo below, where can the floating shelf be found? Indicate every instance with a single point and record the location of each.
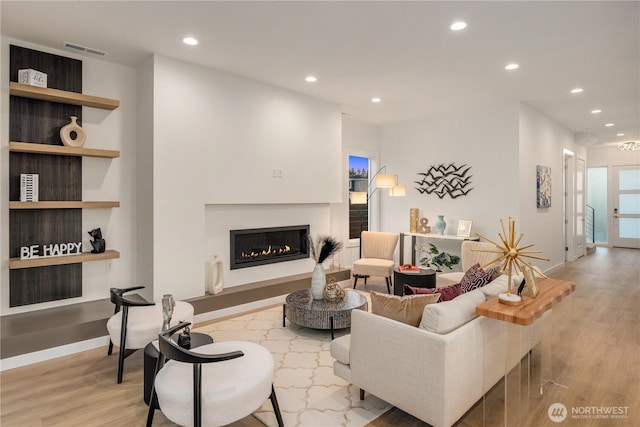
(62, 96)
(64, 204)
(16, 263)
(61, 150)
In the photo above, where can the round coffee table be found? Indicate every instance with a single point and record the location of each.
(301, 309)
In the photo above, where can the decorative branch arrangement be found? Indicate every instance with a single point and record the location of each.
(443, 180)
(323, 247)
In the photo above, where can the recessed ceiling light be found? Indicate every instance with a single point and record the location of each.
(190, 41)
(596, 111)
(376, 99)
(609, 125)
(619, 134)
(458, 25)
(310, 79)
(512, 66)
(577, 90)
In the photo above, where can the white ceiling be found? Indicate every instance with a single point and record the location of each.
(402, 52)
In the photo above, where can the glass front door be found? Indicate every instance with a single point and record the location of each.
(626, 207)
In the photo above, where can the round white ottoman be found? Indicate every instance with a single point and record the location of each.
(145, 323)
(231, 389)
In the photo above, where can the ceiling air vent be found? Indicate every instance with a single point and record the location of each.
(80, 48)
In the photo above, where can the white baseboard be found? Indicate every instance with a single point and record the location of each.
(52, 353)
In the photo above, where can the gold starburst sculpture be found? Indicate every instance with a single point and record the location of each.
(512, 257)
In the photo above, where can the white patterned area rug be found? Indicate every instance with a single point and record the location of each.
(308, 392)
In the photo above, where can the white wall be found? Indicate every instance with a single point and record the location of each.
(216, 139)
(542, 142)
(609, 155)
(144, 180)
(485, 139)
(502, 144)
(103, 179)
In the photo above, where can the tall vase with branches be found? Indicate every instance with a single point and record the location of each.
(321, 249)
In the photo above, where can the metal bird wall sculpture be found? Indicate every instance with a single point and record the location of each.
(442, 180)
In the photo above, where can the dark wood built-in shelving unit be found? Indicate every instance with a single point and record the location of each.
(35, 118)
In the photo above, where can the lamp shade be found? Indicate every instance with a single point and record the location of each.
(358, 197)
(385, 180)
(399, 190)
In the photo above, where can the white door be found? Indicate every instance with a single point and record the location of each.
(580, 208)
(626, 207)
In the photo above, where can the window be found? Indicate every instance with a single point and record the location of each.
(358, 182)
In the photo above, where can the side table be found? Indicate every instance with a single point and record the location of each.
(151, 354)
(514, 320)
(421, 279)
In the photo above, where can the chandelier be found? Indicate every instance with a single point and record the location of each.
(629, 146)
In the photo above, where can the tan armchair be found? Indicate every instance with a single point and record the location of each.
(376, 257)
(468, 258)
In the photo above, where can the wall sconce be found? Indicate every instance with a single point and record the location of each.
(382, 180)
(629, 146)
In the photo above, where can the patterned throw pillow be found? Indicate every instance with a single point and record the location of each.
(474, 278)
(447, 293)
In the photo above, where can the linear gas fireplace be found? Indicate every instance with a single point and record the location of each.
(259, 246)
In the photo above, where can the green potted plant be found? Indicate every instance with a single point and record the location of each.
(432, 258)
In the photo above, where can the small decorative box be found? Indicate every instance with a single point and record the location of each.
(32, 77)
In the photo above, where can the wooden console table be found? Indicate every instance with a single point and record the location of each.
(517, 318)
(551, 292)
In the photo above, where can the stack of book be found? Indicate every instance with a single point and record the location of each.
(409, 269)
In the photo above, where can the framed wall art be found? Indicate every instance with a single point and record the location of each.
(543, 184)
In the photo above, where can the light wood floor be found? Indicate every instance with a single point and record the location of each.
(597, 354)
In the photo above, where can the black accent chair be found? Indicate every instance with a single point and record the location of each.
(122, 302)
(170, 350)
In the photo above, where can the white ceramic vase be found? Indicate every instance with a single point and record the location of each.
(214, 275)
(72, 135)
(318, 281)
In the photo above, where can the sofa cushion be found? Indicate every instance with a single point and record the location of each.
(449, 315)
(499, 286)
(340, 348)
(406, 309)
(475, 278)
(447, 293)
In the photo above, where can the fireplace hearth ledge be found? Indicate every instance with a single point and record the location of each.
(53, 327)
(257, 291)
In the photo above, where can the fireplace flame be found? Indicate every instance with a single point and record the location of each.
(270, 251)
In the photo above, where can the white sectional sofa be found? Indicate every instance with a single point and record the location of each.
(437, 371)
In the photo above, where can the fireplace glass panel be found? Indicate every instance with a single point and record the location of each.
(259, 246)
